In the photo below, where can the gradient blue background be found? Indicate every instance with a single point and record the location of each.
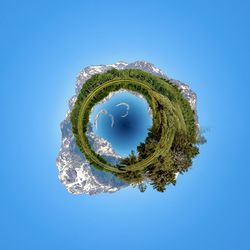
(44, 44)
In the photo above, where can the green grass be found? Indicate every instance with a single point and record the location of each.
(172, 116)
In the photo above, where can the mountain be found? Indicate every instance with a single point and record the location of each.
(75, 172)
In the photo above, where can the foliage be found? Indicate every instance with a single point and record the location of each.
(171, 141)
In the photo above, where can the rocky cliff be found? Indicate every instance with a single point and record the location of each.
(75, 172)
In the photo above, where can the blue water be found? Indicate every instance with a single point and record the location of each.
(130, 125)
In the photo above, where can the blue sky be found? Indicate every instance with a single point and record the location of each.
(43, 46)
(127, 130)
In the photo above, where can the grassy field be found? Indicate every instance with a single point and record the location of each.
(171, 114)
(91, 156)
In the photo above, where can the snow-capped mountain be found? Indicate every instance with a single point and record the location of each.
(75, 172)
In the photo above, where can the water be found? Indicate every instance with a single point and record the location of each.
(123, 120)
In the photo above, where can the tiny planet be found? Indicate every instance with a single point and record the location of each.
(128, 124)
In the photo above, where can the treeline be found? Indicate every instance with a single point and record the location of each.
(177, 159)
(162, 86)
(163, 171)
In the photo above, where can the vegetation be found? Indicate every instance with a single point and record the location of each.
(171, 141)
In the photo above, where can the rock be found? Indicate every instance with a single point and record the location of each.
(75, 172)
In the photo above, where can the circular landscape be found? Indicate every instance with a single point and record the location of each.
(171, 139)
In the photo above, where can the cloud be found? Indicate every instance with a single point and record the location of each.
(126, 105)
